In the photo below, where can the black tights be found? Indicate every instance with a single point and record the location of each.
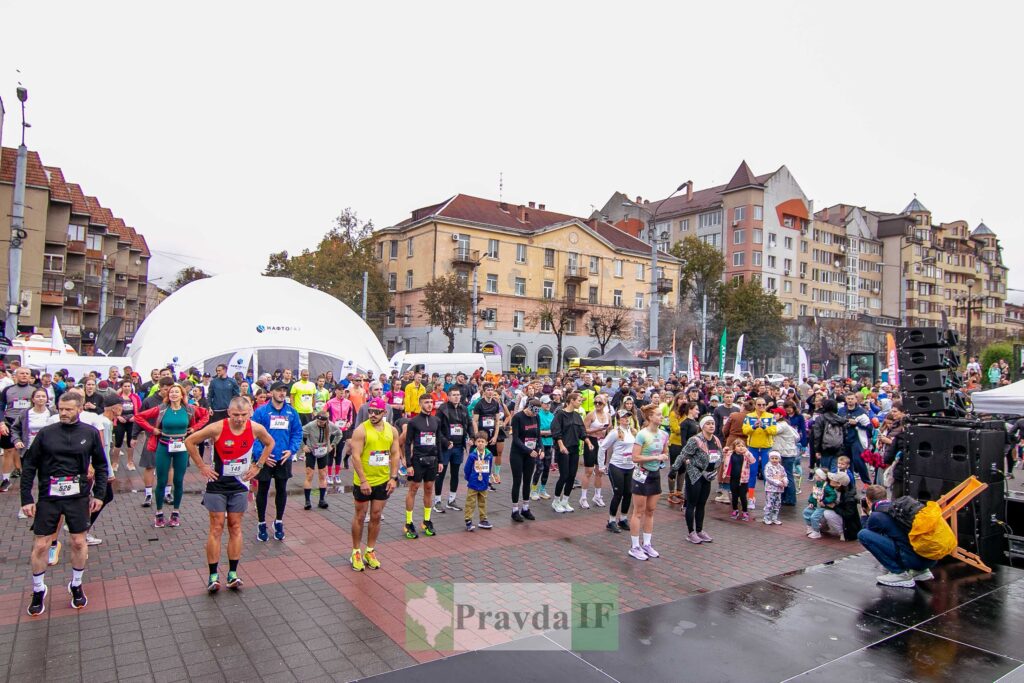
(280, 498)
(446, 465)
(739, 495)
(522, 474)
(622, 489)
(696, 497)
(543, 466)
(567, 466)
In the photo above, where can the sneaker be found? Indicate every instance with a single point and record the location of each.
(21, 514)
(545, 495)
(814, 534)
(556, 505)
(692, 537)
(808, 530)
(308, 505)
(599, 501)
(175, 520)
(261, 532)
(752, 504)
(776, 521)
(516, 517)
(38, 604)
(535, 495)
(53, 555)
(650, 551)
(234, 582)
(439, 507)
(490, 487)
(148, 501)
(469, 526)
(637, 554)
(484, 524)
(213, 584)
(566, 507)
(278, 529)
(92, 540)
(410, 531)
(734, 514)
(722, 497)
(766, 520)
(528, 515)
(452, 505)
(624, 524)
(704, 536)
(323, 504)
(904, 580)
(356, 559)
(16, 474)
(158, 521)
(428, 528)
(5, 485)
(745, 516)
(921, 575)
(584, 504)
(613, 527)
(78, 599)
(169, 498)
(371, 559)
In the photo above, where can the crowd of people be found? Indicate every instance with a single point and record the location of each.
(750, 442)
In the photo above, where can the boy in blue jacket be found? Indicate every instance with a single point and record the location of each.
(477, 472)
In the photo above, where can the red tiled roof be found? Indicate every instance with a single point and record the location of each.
(96, 216)
(118, 227)
(701, 199)
(144, 245)
(78, 203)
(35, 176)
(743, 177)
(58, 187)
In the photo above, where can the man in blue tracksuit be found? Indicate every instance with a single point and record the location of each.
(858, 434)
(285, 428)
(220, 392)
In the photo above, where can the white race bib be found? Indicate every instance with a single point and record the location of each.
(397, 401)
(236, 467)
(128, 406)
(176, 446)
(456, 430)
(427, 439)
(320, 451)
(64, 486)
(306, 400)
(714, 457)
(531, 444)
(22, 404)
(279, 422)
(639, 475)
(487, 422)
(379, 459)
(483, 467)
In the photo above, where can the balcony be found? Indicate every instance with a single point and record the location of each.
(576, 273)
(92, 305)
(92, 280)
(664, 285)
(575, 305)
(462, 256)
(71, 301)
(53, 298)
(121, 290)
(76, 247)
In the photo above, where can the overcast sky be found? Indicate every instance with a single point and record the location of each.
(224, 131)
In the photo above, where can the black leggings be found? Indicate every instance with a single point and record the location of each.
(453, 485)
(522, 474)
(696, 497)
(567, 467)
(122, 431)
(280, 498)
(334, 457)
(739, 495)
(107, 498)
(622, 489)
(675, 483)
(543, 466)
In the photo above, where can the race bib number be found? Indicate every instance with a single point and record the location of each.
(714, 457)
(531, 444)
(22, 404)
(379, 458)
(319, 406)
(397, 401)
(320, 451)
(279, 422)
(483, 467)
(128, 406)
(306, 400)
(64, 486)
(487, 422)
(176, 446)
(427, 439)
(456, 430)
(639, 475)
(236, 467)
(342, 424)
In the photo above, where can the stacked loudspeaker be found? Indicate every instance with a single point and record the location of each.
(929, 371)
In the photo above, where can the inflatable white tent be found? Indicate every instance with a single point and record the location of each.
(1006, 400)
(275, 321)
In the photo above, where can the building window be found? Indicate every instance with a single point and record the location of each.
(492, 248)
(392, 282)
(803, 310)
(545, 324)
(638, 329)
(803, 246)
(520, 253)
(408, 247)
(394, 249)
(549, 258)
(787, 310)
(739, 213)
(771, 261)
(738, 259)
(737, 237)
(638, 302)
(787, 286)
(770, 283)
(758, 236)
(714, 239)
(94, 242)
(595, 265)
(738, 278)
(787, 242)
(711, 219)
(408, 279)
(380, 251)
(407, 315)
(53, 263)
(570, 325)
(520, 286)
(618, 267)
(640, 275)
(53, 283)
(492, 283)
(803, 269)
(549, 289)
(491, 318)
(803, 289)
(787, 264)
(76, 233)
(592, 298)
(391, 315)
(757, 258)
(617, 298)
(517, 320)
(684, 225)
(787, 221)
(758, 213)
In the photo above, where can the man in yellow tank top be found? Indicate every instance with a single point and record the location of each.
(375, 477)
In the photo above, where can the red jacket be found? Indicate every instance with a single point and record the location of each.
(147, 421)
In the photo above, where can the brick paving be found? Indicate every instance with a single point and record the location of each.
(304, 615)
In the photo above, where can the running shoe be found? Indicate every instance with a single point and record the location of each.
(53, 556)
(452, 505)
(704, 536)
(808, 530)
(484, 524)
(438, 506)
(175, 520)
(356, 559)
(169, 498)
(902, 580)
(650, 551)
(544, 494)
(566, 507)
(371, 559)
(490, 487)
(776, 521)
(148, 501)
(921, 574)
(158, 521)
(213, 585)
(428, 528)
(469, 526)
(323, 504)
(598, 500)
(21, 514)
(4, 486)
(528, 515)
(410, 531)
(735, 514)
(766, 520)
(16, 474)
(92, 540)
(78, 599)
(624, 524)
(307, 506)
(637, 554)
(745, 516)
(279, 530)
(234, 581)
(38, 604)
(534, 495)
(584, 504)
(556, 505)
(516, 517)
(692, 537)
(814, 534)
(261, 532)
(613, 527)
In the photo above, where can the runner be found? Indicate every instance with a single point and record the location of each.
(619, 466)
(302, 394)
(219, 392)
(285, 427)
(15, 399)
(147, 461)
(60, 457)
(596, 423)
(543, 466)
(454, 434)
(322, 395)
(697, 463)
(320, 439)
(568, 432)
(525, 452)
(650, 453)
(342, 414)
(488, 416)
(376, 473)
(123, 427)
(227, 483)
(422, 461)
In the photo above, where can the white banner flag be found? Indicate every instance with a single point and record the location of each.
(804, 368)
(739, 356)
(56, 339)
(239, 362)
(689, 363)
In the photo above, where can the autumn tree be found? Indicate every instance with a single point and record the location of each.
(446, 303)
(608, 324)
(746, 308)
(186, 275)
(700, 272)
(557, 318)
(843, 335)
(337, 265)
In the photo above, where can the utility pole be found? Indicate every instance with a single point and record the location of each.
(18, 233)
(704, 332)
(366, 279)
(104, 274)
(475, 304)
(655, 301)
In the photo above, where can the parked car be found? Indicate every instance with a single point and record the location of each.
(774, 378)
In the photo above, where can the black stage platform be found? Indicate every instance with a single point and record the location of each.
(826, 623)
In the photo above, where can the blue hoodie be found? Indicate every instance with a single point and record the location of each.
(478, 481)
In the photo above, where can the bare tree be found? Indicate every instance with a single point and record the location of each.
(608, 324)
(843, 335)
(556, 318)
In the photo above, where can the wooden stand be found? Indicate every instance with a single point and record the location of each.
(951, 503)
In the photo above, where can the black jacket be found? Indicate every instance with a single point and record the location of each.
(568, 428)
(454, 415)
(64, 450)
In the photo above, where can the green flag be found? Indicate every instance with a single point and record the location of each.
(721, 354)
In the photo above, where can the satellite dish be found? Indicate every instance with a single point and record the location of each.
(69, 285)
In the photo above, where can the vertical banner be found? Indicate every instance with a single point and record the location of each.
(721, 354)
(804, 368)
(689, 364)
(739, 356)
(674, 351)
(890, 357)
(240, 362)
(56, 339)
(696, 365)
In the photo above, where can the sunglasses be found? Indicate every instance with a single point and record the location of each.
(375, 411)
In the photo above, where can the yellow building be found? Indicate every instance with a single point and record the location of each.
(523, 257)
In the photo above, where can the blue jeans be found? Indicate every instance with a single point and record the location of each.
(760, 461)
(812, 517)
(857, 463)
(827, 463)
(789, 495)
(889, 554)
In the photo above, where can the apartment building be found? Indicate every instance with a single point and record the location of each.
(522, 256)
(77, 257)
(1014, 321)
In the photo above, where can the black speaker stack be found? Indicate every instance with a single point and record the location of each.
(943, 447)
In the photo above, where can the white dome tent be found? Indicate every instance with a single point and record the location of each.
(277, 321)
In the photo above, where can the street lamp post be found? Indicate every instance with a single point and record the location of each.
(968, 300)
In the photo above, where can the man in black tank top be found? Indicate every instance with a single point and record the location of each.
(228, 481)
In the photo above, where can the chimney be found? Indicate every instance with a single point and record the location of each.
(639, 199)
(532, 205)
(541, 207)
(521, 214)
(689, 190)
(503, 206)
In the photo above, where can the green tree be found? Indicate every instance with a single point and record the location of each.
(608, 324)
(746, 308)
(186, 275)
(700, 272)
(446, 303)
(557, 318)
(993, 353)
(337, 265)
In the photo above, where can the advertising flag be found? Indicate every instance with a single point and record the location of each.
(890, 356)
(805, 367)
(721, 354)
(739, 356)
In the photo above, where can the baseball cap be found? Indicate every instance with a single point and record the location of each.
(377, 404)
(110, 400)
(278, 385)
(545, 400)
(534, 403)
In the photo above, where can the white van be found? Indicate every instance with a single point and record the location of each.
(443, 363)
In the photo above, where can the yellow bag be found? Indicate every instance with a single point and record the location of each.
(930, 535)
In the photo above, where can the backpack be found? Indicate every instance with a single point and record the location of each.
(904, 509)
(930, 535)
(833, 436)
